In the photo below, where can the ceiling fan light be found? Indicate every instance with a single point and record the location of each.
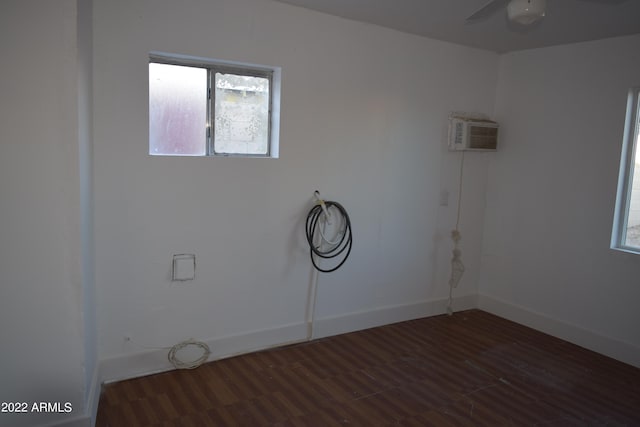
(526, 12)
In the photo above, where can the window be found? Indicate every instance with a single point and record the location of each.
(200, 108)
(626, 227)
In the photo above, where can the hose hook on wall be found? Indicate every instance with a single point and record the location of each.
(328, 232)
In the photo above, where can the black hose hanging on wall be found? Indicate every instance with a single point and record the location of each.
(335, 248)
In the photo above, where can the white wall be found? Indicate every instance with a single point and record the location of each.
(41, 232)
(546, 259)
(364, 122)
(364, 116)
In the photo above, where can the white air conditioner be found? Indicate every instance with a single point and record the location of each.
(472, 134)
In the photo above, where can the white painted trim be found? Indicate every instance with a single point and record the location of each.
(620, 350)
(384, 316)
(94, 398)
(625, 176)
(88, 419)
(155, 361)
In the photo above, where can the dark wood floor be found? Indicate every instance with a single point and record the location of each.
(470, 369)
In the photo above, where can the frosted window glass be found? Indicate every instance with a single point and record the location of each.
(241, 114)
(177, 110)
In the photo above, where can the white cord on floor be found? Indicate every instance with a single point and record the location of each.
(173, 359)
(179, 364)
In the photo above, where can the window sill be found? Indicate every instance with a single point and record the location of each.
(633, 251)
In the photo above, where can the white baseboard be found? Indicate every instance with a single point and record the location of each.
(155, 361)
(384, 316)
(94, 397)
(620, 350)
(88, 419)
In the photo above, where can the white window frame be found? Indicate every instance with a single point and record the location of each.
(625, 177)
(273, 74)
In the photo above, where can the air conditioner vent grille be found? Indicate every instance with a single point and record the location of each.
(483, 138)
(473, 134)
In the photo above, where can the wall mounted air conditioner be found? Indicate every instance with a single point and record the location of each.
(472, 134)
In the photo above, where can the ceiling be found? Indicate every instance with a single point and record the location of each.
(566, 21)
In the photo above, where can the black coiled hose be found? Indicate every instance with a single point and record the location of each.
(336, 248)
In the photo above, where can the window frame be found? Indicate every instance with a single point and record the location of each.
(272, 74)
(626, 173)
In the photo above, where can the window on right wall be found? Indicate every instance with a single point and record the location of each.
(626, 225)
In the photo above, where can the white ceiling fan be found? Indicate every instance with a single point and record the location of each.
(524, 12)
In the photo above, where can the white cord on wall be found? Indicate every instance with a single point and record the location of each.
(457, 267)
(311, 303)
(313, 285)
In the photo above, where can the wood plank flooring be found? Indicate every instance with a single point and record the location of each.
(470, 369)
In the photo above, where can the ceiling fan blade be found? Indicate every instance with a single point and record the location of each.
(485, 11)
